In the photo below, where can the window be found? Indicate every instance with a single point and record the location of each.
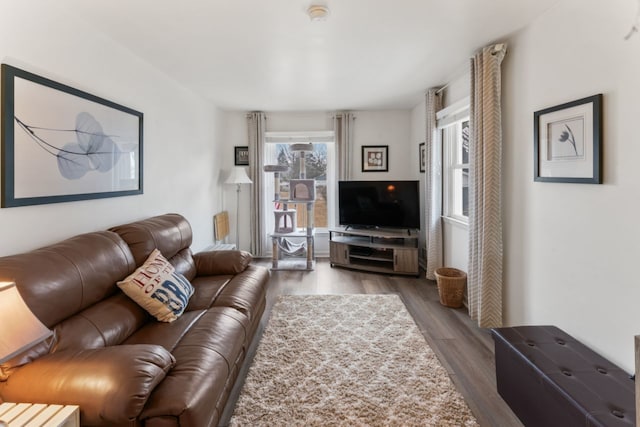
(453, 124)
(319, 165)
(455, 140)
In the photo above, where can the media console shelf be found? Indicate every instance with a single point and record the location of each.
(376, 250)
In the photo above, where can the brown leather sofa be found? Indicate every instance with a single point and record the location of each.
(120, 365)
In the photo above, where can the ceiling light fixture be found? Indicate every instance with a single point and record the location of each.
(317, 12)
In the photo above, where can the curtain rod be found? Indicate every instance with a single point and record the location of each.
(464, 68)
(443, 88)
(332, 116)
(459, 72)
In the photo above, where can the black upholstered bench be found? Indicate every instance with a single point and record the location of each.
(548, 378)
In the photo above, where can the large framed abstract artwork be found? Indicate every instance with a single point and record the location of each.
(568, 142)
(60, 144)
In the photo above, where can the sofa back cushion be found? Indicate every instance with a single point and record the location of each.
(63, 279)
(106, 323)
(169, 233)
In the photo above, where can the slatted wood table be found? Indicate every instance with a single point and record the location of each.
(39, 415)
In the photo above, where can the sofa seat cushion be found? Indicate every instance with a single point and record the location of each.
(216, 328)
(111, 385)
(206, 290)
(167, 335)
(206, 358)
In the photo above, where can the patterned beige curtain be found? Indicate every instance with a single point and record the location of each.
(256, 127)
(433, 184)
(485, 197)
(343, 128)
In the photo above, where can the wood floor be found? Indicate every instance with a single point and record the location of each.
(465, 350)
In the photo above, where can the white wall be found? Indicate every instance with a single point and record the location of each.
(455, 236)
(299, 121)
(392, 128)
(181, 130)
(235, 134)
(387, 127)
(571, 250)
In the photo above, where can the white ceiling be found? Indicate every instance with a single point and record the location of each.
(268, 55)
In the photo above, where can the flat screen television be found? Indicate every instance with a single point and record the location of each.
(382, 204)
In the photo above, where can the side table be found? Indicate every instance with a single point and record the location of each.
(39, 415)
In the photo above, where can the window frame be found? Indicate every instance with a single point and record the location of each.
(449, 125)
(316, 137)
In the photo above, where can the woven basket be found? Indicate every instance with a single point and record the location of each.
(451, 283)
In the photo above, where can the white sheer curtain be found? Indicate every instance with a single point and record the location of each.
(344, 130)
(256, 128)
(485, 195)
(433, 184)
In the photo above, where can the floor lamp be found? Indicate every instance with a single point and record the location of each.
(238, 176)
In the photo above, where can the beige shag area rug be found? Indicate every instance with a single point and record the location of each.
(352, 360)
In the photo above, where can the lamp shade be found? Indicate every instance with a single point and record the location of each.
(20, 329)
(238, 176)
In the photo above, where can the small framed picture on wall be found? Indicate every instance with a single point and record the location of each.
(422, 155)
(375, 158)
(568, 142)
(241, 156)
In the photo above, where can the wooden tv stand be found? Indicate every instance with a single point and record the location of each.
(376, 250)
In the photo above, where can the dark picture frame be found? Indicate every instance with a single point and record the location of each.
(60, 144)
(422, 157)
(568, 142)
(375, 158)
(241, 156)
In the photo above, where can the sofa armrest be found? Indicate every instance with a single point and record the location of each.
(111, 384)
(221, 262)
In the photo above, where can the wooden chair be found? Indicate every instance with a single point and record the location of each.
(221, 231)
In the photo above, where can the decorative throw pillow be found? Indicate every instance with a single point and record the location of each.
(157, 288)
